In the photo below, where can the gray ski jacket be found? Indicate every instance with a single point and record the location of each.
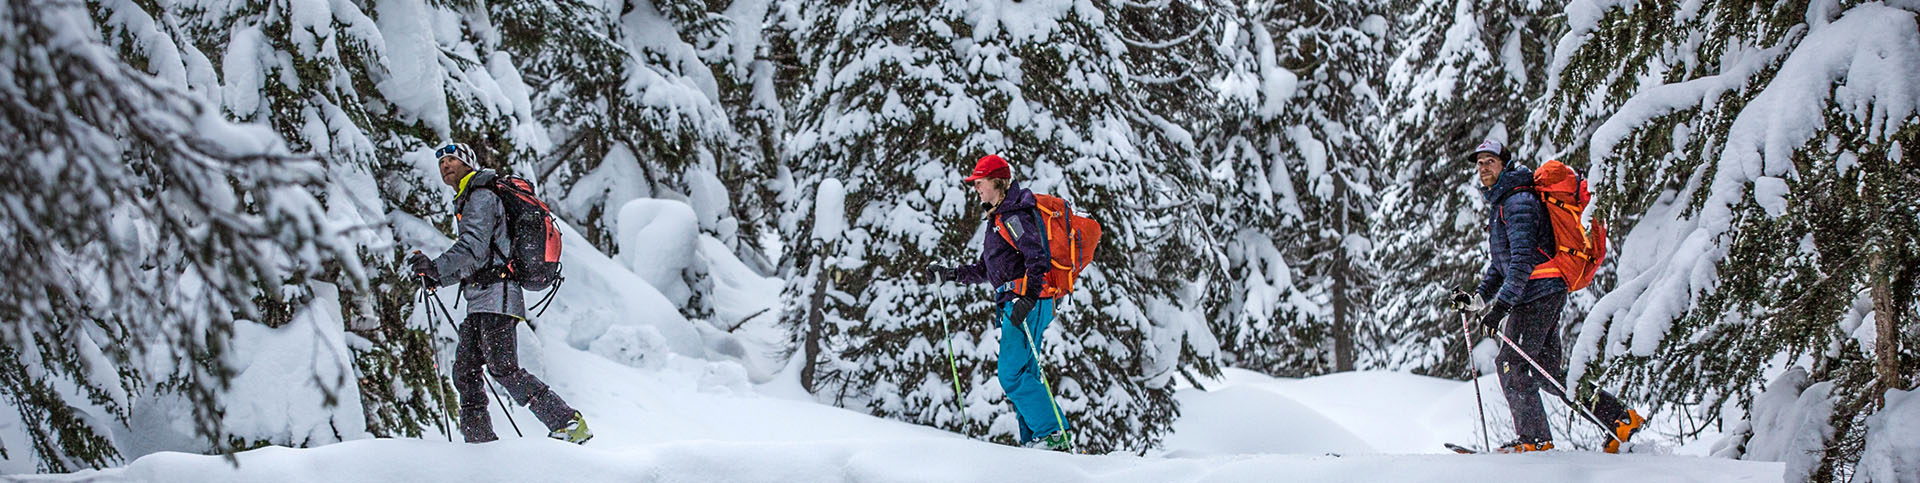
(480, 251)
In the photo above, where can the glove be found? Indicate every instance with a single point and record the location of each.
(1022, 306)
(937, 273)
(1491, 321)
(424, 268)
(1466, 301)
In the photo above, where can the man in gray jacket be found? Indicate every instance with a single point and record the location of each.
(495, 306)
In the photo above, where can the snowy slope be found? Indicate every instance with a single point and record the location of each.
(665, 408)
(1375, 412)
(923, 459)
(676, 424)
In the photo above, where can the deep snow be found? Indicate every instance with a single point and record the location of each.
(667, 406)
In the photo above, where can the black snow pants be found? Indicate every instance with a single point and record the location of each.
(487, 339)
(1535, 327)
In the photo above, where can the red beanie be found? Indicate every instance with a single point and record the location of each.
(990, 166)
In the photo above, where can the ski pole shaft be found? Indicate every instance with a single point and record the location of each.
(446, 421)
(1466, 332)
(1556, 384)
(504, 407)
(954, 365)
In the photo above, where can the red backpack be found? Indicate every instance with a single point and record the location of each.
(534, 258)
(1577, 253)
(1070, 241)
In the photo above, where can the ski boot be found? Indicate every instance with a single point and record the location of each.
(1624, 429)
(1058, 441)
(575, 432)
(1525, 445)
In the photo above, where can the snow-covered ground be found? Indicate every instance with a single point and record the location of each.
(672, 399)
(673, 424)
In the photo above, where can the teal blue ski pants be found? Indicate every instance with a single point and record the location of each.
(1020, 373)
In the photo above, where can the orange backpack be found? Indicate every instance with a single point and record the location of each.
(1070, 240)
(1577, 254)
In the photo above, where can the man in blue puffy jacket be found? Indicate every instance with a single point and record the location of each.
(1519, 237)
(1016, 271)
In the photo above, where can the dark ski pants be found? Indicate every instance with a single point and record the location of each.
(1535, 327)
(487, 339)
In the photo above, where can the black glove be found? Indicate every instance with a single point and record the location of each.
(424, 268)
(1462, 300)
(1022, 306)
(1491, 321)
(937, 273)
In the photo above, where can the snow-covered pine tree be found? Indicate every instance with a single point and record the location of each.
(370, 98)
(1763, 153)
(1297, 157)
(635, 112)
(1171, 58)
(146, 228)
(879, 133)
(903, 97)
(746, 69)
(1464, 71)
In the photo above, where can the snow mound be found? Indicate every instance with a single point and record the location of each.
(657, 240)
(1250, 420)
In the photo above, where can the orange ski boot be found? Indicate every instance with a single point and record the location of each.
(1624, 429)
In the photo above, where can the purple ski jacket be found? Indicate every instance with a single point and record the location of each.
(1016, 269)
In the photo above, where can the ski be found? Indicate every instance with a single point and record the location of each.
(1462, 449)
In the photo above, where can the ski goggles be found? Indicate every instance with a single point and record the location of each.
(459, 151)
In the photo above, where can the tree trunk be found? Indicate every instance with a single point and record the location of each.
(1343, 285)
(816, 316)
(1887, 311)
(1342, 319)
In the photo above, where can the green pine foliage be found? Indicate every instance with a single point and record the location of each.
(1812, 241)
(143, 235)
(1297, 164)
(1464, 72)
(903, 97)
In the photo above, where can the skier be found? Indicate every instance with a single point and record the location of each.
(1016, 270)
(496, 305)
(1518, 241)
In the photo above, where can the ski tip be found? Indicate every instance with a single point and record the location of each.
(1461, 449)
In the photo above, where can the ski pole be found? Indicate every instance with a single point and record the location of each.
(1466, 332)
(446, 421)
(1556, 384)
(953, 365)
(504, 407)
(1041, 368)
